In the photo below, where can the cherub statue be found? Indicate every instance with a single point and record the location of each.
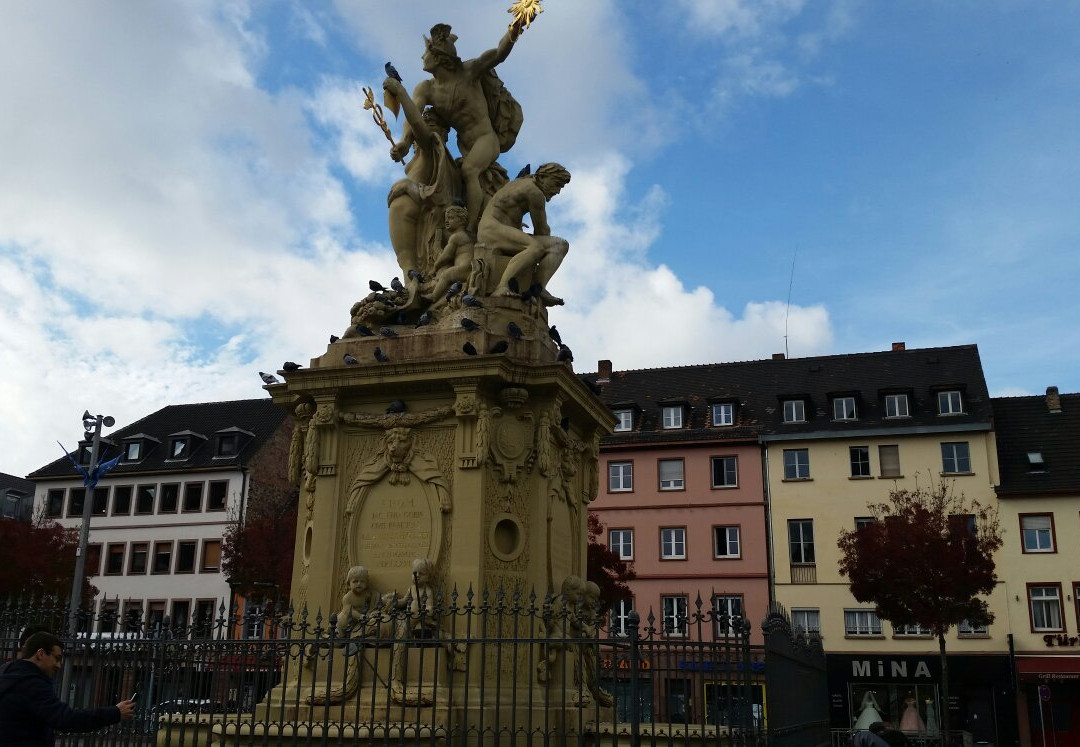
(454, 263)
(358, 603)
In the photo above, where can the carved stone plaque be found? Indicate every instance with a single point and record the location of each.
(394, 525)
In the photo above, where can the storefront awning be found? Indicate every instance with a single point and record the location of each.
(1048, 667)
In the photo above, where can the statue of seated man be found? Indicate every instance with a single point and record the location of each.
(534, 256)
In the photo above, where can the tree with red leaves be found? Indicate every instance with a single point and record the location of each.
(257, 552)
(607, 569)
(39, 559)
(926, 559)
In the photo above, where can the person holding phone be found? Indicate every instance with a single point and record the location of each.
(29, 708)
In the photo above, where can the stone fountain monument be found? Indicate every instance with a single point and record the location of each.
(443, 441)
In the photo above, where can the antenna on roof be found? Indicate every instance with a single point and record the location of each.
(787, 310)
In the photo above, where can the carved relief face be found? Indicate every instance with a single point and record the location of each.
(399, 442)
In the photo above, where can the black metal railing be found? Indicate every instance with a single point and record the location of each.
(470, 668)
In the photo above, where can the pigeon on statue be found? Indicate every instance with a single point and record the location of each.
(349, 360)
(525, 171)
(268, 378)
(470, 300)
(554, 333)
(333, 339)
(415, 275)
(363, 331)
(514, 331)
(380, 356)
(500, 347)
(454, 290)
(376, 286)
(469, 324)
(387, 332)
(468, 348)
(565, 354)
(397, 285)
(424, 320)
(290, 366)
(391, 72)
(396, 407)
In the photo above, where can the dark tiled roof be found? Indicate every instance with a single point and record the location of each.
(758, 389)
(256, 416)
(1025, 424)
(16, 484)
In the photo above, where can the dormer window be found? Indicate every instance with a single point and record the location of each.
(1035, 462)
(133, 451)
(624, 421)
(949, 403)
(843, 408)
(896, 406)
(179, 448)
(794, 411)
(723, 413)
(227, 445)
(672, 417)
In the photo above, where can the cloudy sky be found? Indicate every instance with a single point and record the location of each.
(190, 191)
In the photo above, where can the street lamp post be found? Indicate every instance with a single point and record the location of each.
(92, 425)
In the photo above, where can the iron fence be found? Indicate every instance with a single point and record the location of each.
(455, 669)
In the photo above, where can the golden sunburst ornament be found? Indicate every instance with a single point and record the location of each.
(524, 13)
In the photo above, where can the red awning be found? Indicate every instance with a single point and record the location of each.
(1053, 667)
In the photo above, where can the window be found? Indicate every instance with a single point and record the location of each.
(203, 624)
(227, 445)
(620, 477)
(801, 540)
(806, 620)
(114, 559)
(133, 451)
(133, 611)
(728, 613)
(796, 464)
(624, 420)
(896, 406)
(1045, 603)
(155, 617)
(723, 413)
(76, 499)
(672, 417)
(674, 615)
(144, 499)
(955, 458)
(948, 403)
(726, 542)
(137, 562)
(170, 498)
(725, 472)
(121, 500)
(110, 610)
(861, 622)
(1038, 532)
(181, 614)
(862, 521)
(162, 557)
(794, 411)
(179, 448)
(671, 474)
(966, 628)
(254, 619)
(914, 630)
(1036, 462)
(620, 617)
(965, 523)
(100, 504)
(211, 556)
(216, 498)
(93, 560)
(889, 460)
(54, 503)
(185, 556)
(673, 543)
(860, 461)
(621, 542)
(193, 496)
(843, 408)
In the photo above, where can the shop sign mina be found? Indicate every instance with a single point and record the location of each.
(899, 669)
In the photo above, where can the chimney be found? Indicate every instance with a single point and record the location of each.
(1053, 399)
(778, 356)
(898, 346)
(603, 372)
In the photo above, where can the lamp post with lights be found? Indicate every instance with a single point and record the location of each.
(92, 426)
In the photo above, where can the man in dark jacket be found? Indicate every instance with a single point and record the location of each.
(29, 708)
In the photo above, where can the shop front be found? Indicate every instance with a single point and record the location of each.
(906, 691)
(1049, 699)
